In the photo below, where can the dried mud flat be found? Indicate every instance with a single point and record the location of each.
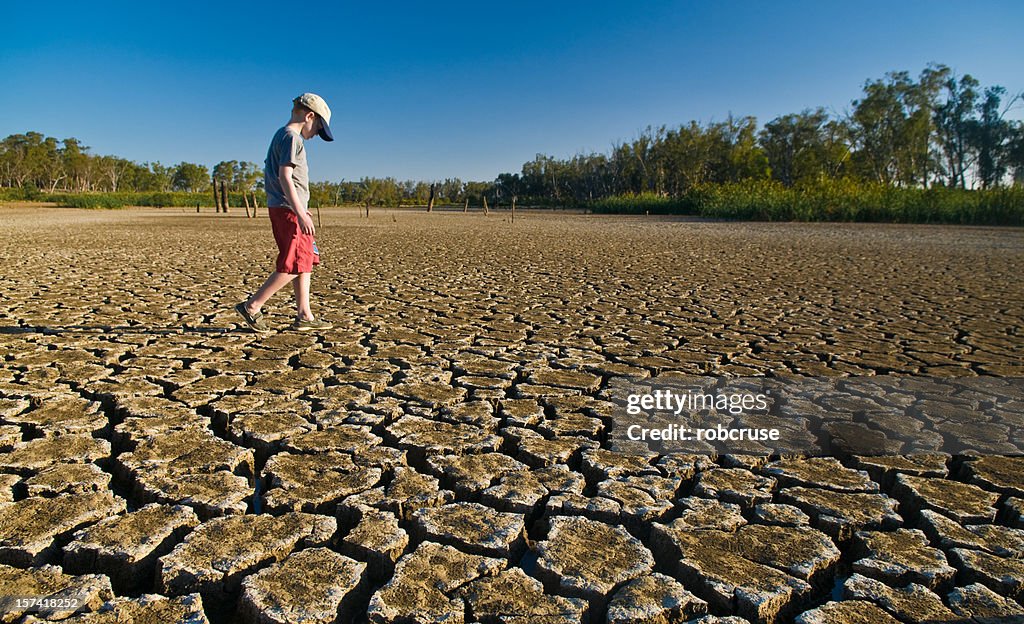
(443, 454)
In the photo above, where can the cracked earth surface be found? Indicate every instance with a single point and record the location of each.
(443, 453)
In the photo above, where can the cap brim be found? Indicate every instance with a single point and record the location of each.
(325, 130)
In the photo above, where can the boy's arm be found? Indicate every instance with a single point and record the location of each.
(284, 174)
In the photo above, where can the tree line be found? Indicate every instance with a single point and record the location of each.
(66, 165)
(50, 165)
(938, 130)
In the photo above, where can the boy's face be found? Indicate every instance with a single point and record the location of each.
(310, 125)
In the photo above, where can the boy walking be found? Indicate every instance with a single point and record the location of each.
(286, 178)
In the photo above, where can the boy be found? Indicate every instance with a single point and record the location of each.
(286, 178)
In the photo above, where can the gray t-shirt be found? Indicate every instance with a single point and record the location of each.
(286, 148)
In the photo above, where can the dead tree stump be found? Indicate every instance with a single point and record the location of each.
(430, 202)
(223, 197)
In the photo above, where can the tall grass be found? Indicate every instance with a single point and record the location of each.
(644, 203)
(21, 193)
(760, 200)
(831, 200)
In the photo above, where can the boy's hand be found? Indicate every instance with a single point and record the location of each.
(306, 223)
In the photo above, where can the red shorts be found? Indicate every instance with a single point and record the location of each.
(296, 252)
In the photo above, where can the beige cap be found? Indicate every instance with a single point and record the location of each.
(315, 103)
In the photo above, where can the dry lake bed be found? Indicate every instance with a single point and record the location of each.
(448, 452)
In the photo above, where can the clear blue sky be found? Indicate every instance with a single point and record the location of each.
(469, 89)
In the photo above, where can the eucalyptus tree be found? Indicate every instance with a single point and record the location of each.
(736, 156)
(24, 158)
(246, 176)
(224, 171)
(450, 190)
(507, 187)
(190, 177)
(1016, 153)
(992, 137)
(148, 177)
(540, 179)
(804, 146)
(476, 191)
(954, 124)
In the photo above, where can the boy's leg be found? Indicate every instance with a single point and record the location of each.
(301, 286)
(274, 283)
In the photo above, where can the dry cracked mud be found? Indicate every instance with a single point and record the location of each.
(444, 454)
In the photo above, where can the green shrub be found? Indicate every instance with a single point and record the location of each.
(831, 200)
(25, 193)
(89, 200)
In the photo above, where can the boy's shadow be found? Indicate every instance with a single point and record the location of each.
(116, 330)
